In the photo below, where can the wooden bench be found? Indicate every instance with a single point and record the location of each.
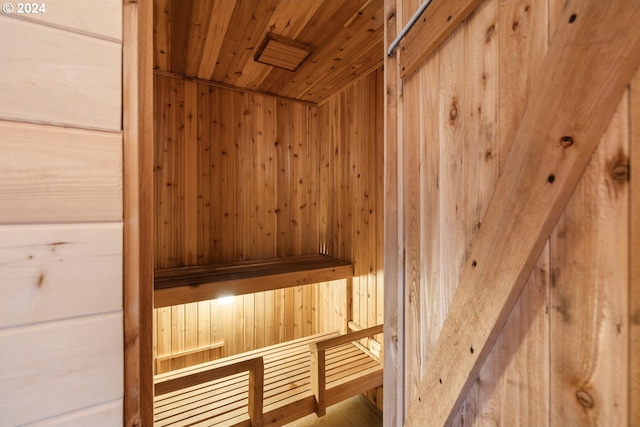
(198, 283)
(198, 396)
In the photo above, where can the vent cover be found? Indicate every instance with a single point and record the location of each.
(282, 52)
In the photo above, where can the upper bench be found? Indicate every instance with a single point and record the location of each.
(199, 283)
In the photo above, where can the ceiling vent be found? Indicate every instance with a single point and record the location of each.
(282, 52)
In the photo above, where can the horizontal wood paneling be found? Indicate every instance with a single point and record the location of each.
(58, 77)
(60, 367)
(99, 18)
(50, 173)
(61, 327)
(50, 271)
(105, 415)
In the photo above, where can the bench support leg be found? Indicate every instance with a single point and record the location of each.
(256, 395)
(318, 379)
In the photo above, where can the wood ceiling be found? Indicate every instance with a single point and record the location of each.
(217, 40)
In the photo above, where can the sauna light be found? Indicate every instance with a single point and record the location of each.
(225, 300)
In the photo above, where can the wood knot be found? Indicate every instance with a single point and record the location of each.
(566, 141)
(585, 399)
(489, 33)
(620, 172)
(453, 112)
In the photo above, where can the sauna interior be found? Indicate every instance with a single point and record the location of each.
(134, 130)
(268, 163)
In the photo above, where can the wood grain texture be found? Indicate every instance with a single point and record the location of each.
(265, 189)
(50, 174)
(592, 123)
(634, 254)
(350, 160)
(413, 292)
(49, 73)
(60, 367)
(137, 116)
(590, 247)
(251, 154)
(104, 415)
(436, 24)
(49, 271)
(479, 174)
(249, 285)
(392, 228)
(212, 40)
(100, 18)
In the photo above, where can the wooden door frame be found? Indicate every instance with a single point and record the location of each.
(137, 122)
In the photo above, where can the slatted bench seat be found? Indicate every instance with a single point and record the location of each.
(289, 386)
(198, 283)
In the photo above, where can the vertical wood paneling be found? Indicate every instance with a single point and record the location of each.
(590, 247)
(351, 147)
(237, 178)
(451, 164)
(524, 344)
(413, 295)
(563, 356)
(240, 176)
(480, 175)
(393, 225)
(190, 242)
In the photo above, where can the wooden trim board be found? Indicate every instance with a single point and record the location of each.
(634, 254)
(393, 390)
(440, 19)
(137, 116)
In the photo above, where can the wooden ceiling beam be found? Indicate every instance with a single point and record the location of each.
(440, 19)
(590, 61)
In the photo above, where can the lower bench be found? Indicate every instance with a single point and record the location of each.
(276, 384)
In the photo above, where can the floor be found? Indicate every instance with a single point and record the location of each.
(353, 412)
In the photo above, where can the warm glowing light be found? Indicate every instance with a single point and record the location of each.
(225, 300)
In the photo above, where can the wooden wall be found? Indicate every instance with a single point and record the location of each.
(563, 356)
(351, 195)
(61, 217)
(242, 176)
